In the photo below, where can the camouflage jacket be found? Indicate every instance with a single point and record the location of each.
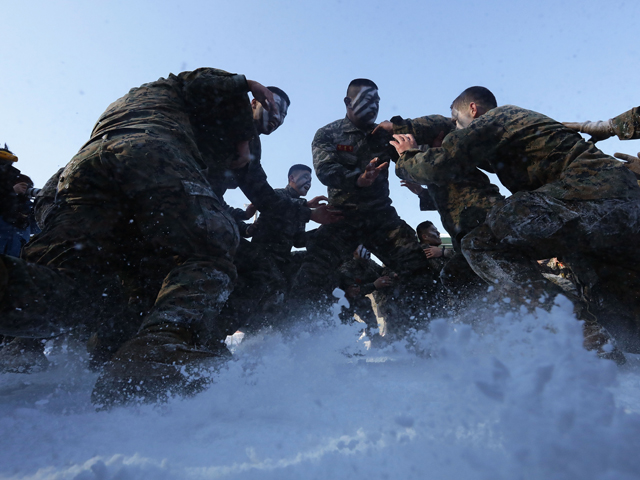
(281, 230)
(361, 272)
(462, 202)
(341, 151)
(627, 125)
(528, 151)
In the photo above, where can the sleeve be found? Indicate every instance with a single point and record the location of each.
(424, 129)
(326, 162)
(456, 160)
(627, 125)
(426, 202)
(252, 180)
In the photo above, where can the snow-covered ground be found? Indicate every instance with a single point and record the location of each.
(519, 399)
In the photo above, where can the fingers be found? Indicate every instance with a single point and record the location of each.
(382, 167)
(626, 158)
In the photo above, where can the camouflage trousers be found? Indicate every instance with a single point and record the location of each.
(264, 279)
(388, 237)
(137, 239)
(597, 238)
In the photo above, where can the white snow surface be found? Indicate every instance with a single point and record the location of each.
(518, 398)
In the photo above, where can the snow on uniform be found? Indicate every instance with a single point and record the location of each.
(361, 272)
(137, 231)
(569, 200)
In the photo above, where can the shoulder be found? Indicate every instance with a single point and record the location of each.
(329, 131)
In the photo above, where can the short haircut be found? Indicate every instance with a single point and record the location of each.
(481, 96)
(297, 167)
(281, 94)
(357, 83)
(423, 227)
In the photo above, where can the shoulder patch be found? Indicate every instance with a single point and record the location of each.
(344, 148)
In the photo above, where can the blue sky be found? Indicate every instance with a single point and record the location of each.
(64, 62)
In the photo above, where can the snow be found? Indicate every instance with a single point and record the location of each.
(514, 398)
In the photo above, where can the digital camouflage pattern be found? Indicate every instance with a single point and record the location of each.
(462, 202)
(137, 231)
(528, 151)
(277, 230)
(627, 125)
(341, 151)
(569, 201)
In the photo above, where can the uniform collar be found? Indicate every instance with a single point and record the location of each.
(292, 191)
(349, 127)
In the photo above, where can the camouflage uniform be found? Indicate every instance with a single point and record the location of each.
(341, 151)
(627, 125)
(462, 203)
(137, 231)
(266, 265)
(569, 201)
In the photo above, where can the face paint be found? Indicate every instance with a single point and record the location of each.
(301, 181)
(269, 121)
(365, 105)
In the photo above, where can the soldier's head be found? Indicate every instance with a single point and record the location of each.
(7, 155)
(267, 122)
(362, 102)
(470, 104)
(300, 179)
(428, 234)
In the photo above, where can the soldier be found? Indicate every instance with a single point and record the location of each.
(569, 201)
(266, 265)
(139, 236)
(351, 158)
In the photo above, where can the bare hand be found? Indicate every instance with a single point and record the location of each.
(598, 130)
(20, 188)
(263, 95)
(403, 143)
(371, 172)
(325, 215)
(413, 187)
(386, 126)
(244, 156)
(382, 282)
(250, 211)
(316, 202)
(433, 252)
(631, 162)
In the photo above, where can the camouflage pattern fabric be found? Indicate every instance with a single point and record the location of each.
(341, 151)
(627, 125)
(278, 231)
(528, 151)
(136, 220)
(462, 202)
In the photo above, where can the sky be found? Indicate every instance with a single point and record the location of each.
(64, 62)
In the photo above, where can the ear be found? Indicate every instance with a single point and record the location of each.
(347, 101)
(291, 179)
(473, 110)
(254, 103)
